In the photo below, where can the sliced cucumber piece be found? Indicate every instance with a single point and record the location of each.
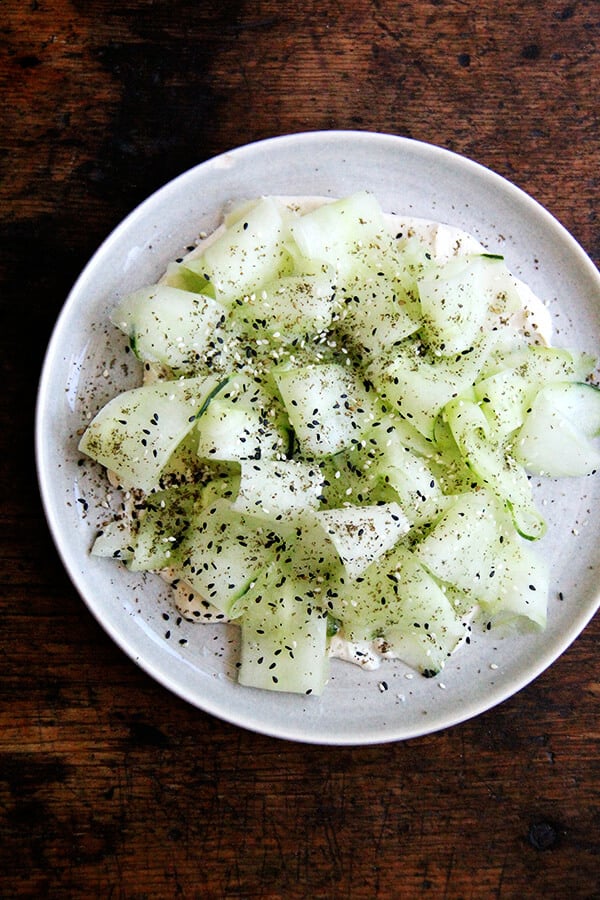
(136, 432)
(380, 304)
(539, 365)
(178, 275)
(508, 389)
(362, 534)
(418, 385)
(249, 253)
(418, 488)
(283, 636)
(400, 603)
(553, 439)
(579, 402)
(521, 588)
(391, 434)
(174, 327)
(493, 465)
(245, 421)
(184, 466)
(223, 552)
(163, 526)
(504, 397)
(115, 540)
(338, 233)
(328, 405)
(223, 485)
(449, 464)
(289, 307)
(457, 297)
(313, 556)
(429, 629)
(383, 457)
(474, 550)
(348, 482)
(462, 547)
(278, 489)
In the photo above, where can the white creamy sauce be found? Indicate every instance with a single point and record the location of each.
(444, 242)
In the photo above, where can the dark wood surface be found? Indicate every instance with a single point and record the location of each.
(109, 786)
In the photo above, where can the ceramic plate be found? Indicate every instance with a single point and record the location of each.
(86, 365)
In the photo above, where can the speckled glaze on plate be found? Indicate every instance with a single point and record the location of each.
(86, 364)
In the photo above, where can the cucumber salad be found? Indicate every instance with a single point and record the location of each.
(333, 439)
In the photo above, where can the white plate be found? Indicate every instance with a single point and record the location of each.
(86, 364)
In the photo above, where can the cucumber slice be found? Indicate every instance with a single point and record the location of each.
(344, 483)
(337, 233)
(115, 540)
(391, 434)
(163, 526)
(277, 489)
(418, 385)
(474, 550)
(136, 432)
(417, 487)
(508, 390)
(328, 406)
(184, 466)
(174, 327)
(429, 629)
(521, 589)
(504, 397)
(313, 555)
(579, 403)
(362, 534)
(166, 517)
(456, 299)
(178, 275)
(292, 306)
(464, 543)
(245, 421)
(539, 365)
(383, 457)
(399, 602)
(223, 552)
(381, 305)
(222, 485)
(554, 438)
(283, 636)
(493, 466)
(452, 470)
(248, 254)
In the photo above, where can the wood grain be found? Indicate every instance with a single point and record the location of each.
(109, 786)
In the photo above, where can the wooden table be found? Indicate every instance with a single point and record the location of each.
(111, 787)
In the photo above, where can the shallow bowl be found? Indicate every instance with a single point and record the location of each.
(86, 364)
